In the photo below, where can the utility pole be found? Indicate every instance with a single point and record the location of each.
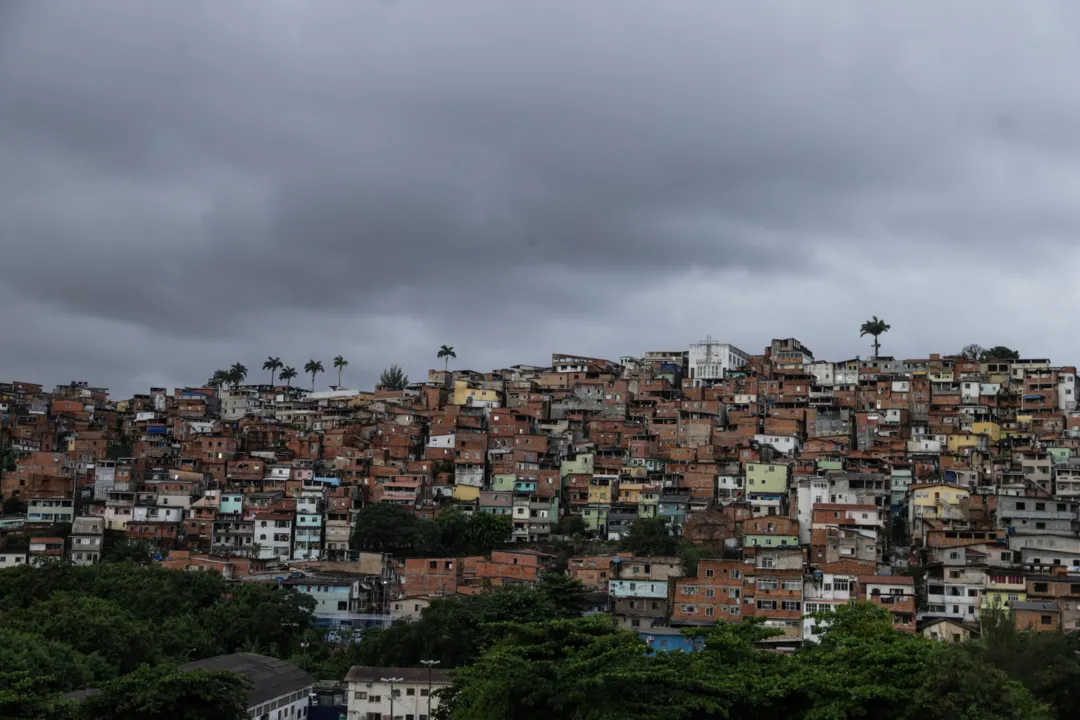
(429, 664)
(391, 681)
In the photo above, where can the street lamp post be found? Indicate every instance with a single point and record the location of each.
(429, 664)
(391, 681)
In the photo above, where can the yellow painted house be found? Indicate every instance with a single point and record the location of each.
(466, 493)
(930, 501)
(991, 429)
(602, 488)
(957, 442)
(766, 478)
(466, 393)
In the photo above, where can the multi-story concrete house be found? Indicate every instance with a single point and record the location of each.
(87, 534)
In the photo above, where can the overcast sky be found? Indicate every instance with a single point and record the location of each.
(184, 185)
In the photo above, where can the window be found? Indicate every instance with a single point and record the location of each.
(342, 605)
(1046, 620)
(766, 584)
(1021, 506)
(791, 585)
(359, 695)
(766, 604)
(708, 612)
(375, 698)
(709, 592)
(1040, 587)
(1039, 507)
(709, 573)
(736, 574)
(790, 605)
(410, 692)
(1040, 526)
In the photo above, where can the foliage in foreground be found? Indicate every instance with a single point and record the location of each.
(584, 669)
(71, 627)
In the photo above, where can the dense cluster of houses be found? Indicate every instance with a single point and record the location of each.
(805, 483)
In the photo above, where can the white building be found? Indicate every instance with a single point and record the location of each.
(12, 559)
(376, 693)
(50, 510)
(711, 360)
(277, 691)
(785, 444)
(274, 536)
(86, 538)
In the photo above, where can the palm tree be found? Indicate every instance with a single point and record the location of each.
(393, 378)
(874, 327)
(273, 364)
(238, 374)
(287, 374)
(313, 367)
(219, 378)
(340, 363)
(446, 352)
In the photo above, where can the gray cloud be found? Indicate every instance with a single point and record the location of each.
(187, 185)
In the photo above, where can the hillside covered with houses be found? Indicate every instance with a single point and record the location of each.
(676, 490)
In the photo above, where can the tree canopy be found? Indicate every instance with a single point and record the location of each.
(583, 669)
(393, 378)
(385, 527)
(1000, 352)
(650, 536)
(70, 627)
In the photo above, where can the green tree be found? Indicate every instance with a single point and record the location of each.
(1047, 664)
(287, 374)
(972, 351)
(570, 669)
(169, 693)
(487, 531)
(90, 625)
(14, 506)
(340, 363)
(650, 536)
(393, 378)
(55, 664)
(566, 594)
(261, 618)
(313, 367)
(452, 532)
(273, 364)
(219, 379)
(445, 353)
(875, 328)
(237, 374)
(128, 550)
(26, 695)
(383, 527)
(1000, 352)
(571, 525)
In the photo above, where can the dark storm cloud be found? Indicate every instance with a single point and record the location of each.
(203, 182)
